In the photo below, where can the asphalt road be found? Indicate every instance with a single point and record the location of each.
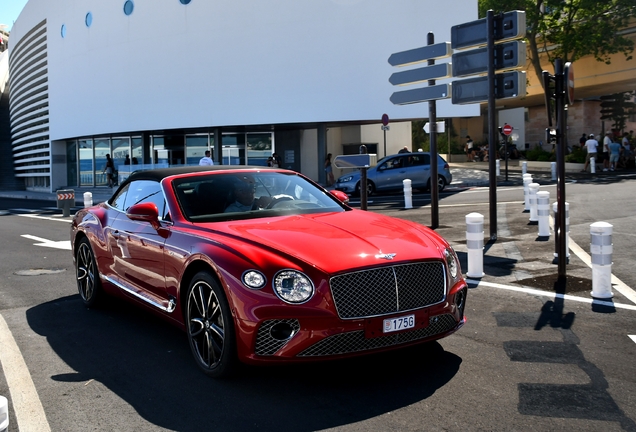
(523, 361)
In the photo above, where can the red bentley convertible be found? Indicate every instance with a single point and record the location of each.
(263, 265)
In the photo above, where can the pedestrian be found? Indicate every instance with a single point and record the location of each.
(614, 151)
(591, 145)
(582, 140)
(278, 163)
(404, 149)
(127, 160)
(607, 140)
(468, 148)
(206, 160)
(109, 169)
(329, 170)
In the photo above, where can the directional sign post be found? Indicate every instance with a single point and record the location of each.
(505, 56)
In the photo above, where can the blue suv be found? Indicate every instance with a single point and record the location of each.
(390, 171)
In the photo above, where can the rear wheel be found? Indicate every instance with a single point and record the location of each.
(210, 327)
(88, 283)
(441, 184)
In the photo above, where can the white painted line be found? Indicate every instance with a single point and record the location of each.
(27, 406)
(617, 284)
(632, 337)
(535, 291)
(56, 219)
(63, 244)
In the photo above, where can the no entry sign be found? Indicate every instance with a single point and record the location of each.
(507, 129)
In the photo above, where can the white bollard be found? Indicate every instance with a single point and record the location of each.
(408, 194)
(88, 199)
(601, 250)
(593, 165)
(533, 188)
(555, 208)
(4, 414)
(475, 244)
(524, 167)
(543, 213)
(498, 167)
(527, 179)
(553, 170)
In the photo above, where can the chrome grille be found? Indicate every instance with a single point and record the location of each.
(351, 342)
(387, 290)
(268, 345)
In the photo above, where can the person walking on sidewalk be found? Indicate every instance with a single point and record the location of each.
(615, 152)
(607, 140)
(109, 169)
(591, 145)
(206, 160)
(468, 148)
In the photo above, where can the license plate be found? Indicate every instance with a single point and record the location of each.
(398, 323)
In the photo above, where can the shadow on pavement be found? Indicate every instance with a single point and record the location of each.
(147, 362)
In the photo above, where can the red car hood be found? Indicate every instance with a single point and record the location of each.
(338, 241)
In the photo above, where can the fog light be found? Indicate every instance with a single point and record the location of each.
(282, 331)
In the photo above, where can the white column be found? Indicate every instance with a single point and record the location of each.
(533, 188)
(543, 213)
(601, 249)
(475, 244)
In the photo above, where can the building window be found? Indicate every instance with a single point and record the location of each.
(89, 19)
(128, 7)
(63, 30)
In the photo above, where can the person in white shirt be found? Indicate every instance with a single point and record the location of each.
(206, 160)
(607, 140)
(591, 145)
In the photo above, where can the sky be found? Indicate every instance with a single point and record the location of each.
(9, 11)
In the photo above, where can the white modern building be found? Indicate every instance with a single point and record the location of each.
(161, 81)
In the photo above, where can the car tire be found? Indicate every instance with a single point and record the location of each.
(210, 327)
(441, 184)
(89, 284)
(370, 188)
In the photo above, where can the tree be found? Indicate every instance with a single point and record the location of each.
(571, 29)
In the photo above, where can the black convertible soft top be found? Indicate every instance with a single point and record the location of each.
(161, 173)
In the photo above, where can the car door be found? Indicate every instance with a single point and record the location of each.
(138, 247)
(390, 173)
(418, 169)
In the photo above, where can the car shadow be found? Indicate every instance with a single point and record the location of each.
(147, 362)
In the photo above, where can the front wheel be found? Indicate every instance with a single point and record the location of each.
(370, 188)
(210, 327)
(89, 285)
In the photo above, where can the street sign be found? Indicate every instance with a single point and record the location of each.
(415, 76)
(440, 126)
(509, 55)
(473, 90)
(507, 129)
(509, 25)
(385, 119)
(355, 161)
(418, 55)
(441, 91)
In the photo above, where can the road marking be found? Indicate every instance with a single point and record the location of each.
(29, 412)
(63, 244)
(56, 219)
(535, 291)
(632, 337)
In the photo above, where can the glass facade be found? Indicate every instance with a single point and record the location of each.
(86, 158)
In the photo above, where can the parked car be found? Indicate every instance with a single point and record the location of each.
(263, 265)
(390, 172)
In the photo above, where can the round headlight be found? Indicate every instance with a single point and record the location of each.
(453, 266)
(254, 279)
(293, 287)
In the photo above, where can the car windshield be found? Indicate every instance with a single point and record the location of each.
(250, 194)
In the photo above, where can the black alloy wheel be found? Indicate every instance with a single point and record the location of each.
(210, 326)
(88, 282)
(370, 188)
(441, 184)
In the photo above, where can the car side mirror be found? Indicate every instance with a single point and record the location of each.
(145, 212)
(340, 196)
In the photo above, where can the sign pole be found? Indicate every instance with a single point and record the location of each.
(492, 125)
(432, 118)
(559, 99)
